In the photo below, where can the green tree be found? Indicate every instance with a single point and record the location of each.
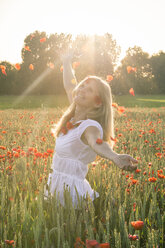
(7, 82)
(40, 50)
(142, 80)
(157, 62)
(98, 55)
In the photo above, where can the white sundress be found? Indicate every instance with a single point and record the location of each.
(70, 163)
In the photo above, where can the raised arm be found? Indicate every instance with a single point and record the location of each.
(69, 78)
(123, 161)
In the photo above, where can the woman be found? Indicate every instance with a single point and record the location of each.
(82, 133)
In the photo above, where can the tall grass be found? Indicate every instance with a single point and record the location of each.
(27, 220)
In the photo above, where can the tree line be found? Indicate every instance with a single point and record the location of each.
(94, 55)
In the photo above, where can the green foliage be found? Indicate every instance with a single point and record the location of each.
(97, 54)
(142, 81)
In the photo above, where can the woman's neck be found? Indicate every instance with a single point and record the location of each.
(80, 114)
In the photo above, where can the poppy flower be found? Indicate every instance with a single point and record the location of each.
(31, 67)
(138, 225)
(131, 69)
(3, 147)
(75, 65)
(9, 242)
(152, 179)
(138, 170)
(64, 130)
(2, 67)
(104, 245)
(114, 105)
(27, 48)
(61, 68)
(109, 78)
(51, 65)
(131, 91)
(121, 109)
(17, 66)
(92, 243)
(113, 139)
(4, 72)
(99, 141)
(161, 176)
(133, 237)
(69, 125)
(42, 39)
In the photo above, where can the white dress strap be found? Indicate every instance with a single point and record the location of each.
(88, 123)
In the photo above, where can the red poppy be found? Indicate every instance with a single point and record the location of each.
(109, 78)
(92, 243)
(4, 72)
(31, 67)
(133, 237)
(113, 139)
(99, 141)
(27, 48)
(138, 225)
(17, 66)
(105, 245)
(138, 170)
(3, 147)
(51, 65)
(121, 109)
(69, 125)
(2, 67)
(79, 243)
(131, 91)
(43, 39)
(152, 179)
(161, 176)
(114, 105)
(64, 130)
(131, 69)
(75, 65)
(9, 242)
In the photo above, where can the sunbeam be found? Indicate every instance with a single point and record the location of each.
(31, 87)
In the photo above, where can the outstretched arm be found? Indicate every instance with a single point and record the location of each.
(69, 78)
(123, 161)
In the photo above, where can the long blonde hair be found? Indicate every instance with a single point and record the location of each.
(103, 114)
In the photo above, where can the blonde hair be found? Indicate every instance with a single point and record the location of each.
(103, 114)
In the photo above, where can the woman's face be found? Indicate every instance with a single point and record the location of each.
(87, 95)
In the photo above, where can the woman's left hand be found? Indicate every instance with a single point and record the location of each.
(125, 162)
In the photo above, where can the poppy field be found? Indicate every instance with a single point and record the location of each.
(130, 209)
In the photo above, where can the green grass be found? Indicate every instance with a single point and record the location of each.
(146, 101)
(32, 102)
(53, 101)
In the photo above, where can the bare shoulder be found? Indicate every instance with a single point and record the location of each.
(91, 131)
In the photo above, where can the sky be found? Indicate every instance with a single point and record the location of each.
(131, 22)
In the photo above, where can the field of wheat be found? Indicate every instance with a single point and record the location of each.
(130, 209)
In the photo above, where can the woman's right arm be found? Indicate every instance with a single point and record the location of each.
(69, 78)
